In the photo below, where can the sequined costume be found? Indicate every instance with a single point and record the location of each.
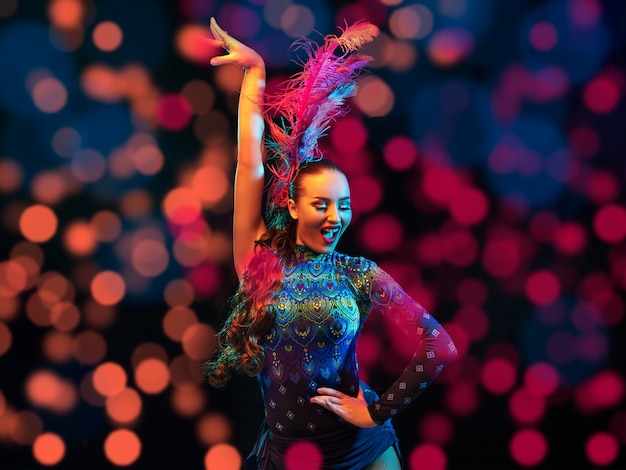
(319, 315)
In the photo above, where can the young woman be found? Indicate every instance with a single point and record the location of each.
(300, 305)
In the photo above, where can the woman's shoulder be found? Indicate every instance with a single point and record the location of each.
(356, 264)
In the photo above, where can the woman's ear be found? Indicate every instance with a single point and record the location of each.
(291, 205)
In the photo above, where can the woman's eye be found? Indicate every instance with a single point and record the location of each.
(345, 208)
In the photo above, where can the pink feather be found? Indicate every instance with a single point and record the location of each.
(310, 100)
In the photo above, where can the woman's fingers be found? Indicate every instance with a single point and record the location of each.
(237, 52)
(221, 40)
(352, 409)
(215, 29)
(330, 391)
(325, 401)
(220, 34)
(326, 396)
(213, 42)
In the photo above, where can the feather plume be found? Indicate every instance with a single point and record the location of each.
(306, 105)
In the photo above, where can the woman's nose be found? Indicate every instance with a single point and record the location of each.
(332, 214)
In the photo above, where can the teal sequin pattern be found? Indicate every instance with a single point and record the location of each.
(317, 320)
(319, 314)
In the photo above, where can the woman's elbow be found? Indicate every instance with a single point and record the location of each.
(447, 349)
(452, 351)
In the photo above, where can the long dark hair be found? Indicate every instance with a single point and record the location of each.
(252, 306)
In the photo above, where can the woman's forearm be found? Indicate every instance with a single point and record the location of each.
(250, 118)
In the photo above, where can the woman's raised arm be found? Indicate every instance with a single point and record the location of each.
(248, 223)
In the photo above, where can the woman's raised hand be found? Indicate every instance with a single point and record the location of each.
(237, 53)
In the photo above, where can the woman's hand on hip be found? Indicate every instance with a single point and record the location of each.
(237, 52)
(351, 409)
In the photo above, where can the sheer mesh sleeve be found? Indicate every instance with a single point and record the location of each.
(433, 346)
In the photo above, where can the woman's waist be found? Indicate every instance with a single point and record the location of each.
(288, 427)
(289, 411)
(290, 390)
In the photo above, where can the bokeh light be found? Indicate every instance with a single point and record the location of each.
(107, 36)
(179, 292)
(124, 407)
(174, 112)
(526, 408)
(38, 223)
(50, 187)
(199, 341)
(107, 225)
(192, 44)
(188, 400)
(450, 46)
(437, 428)
(57, 346)
(108, 288)
(49, 95)
(24, 427)
(66, 13)
(609, 223)
(400, 153)
(149, 258)
(11, 175)
(122, 447)
(223, 457)
(177, 320)
(109, 379)
(601, 449)
(214, 428)
(498, 376)
(428, 456)
(543, 36)
(484, 155)
(47, 390)
(152, 376)
(89, 347)
(376, 98)
(303, 454)
(49, 449)
(528, 447)
(541, 379)
(148, 350)
(210, 184)
(411, 22)
(182, 206)
(80, 238)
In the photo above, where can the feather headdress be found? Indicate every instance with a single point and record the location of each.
(306, 105)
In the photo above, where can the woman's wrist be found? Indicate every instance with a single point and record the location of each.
(258, 65)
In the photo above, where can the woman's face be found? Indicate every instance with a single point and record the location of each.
(322, 210)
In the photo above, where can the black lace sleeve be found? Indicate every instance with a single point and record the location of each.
(433, 346)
